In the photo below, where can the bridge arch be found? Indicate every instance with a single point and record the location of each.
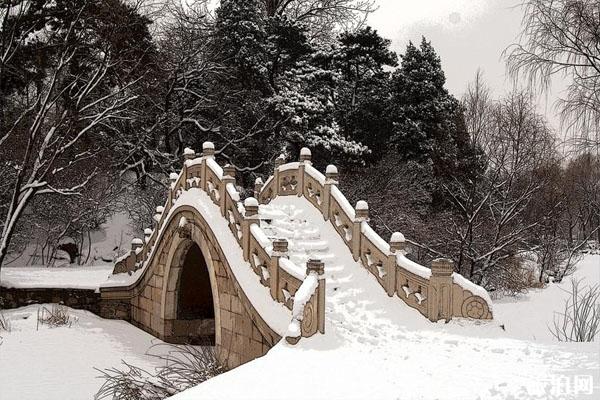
(240, 333)
(190, 306)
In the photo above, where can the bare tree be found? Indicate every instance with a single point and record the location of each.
(59, 138)
(562, 38)
(489, 227)
(323, 16)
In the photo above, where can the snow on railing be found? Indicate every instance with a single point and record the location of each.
(268, 259)
(436, 292)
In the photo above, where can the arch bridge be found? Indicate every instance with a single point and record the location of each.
(208, 273)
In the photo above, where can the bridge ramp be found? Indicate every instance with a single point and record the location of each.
(376, 347)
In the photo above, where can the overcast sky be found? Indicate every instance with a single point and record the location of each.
(467, 34)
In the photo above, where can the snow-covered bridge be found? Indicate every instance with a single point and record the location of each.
(277, 265)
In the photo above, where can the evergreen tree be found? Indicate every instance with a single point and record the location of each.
(426, 118)
(363, 92)
(241, 35)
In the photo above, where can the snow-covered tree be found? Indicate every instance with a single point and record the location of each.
(57, 129)
(426, 117)
(363, 92)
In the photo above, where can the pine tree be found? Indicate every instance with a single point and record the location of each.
(363, 92)
(428, 122)
(241, 35)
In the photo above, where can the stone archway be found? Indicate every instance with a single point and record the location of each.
(189, 306)
(188, 241)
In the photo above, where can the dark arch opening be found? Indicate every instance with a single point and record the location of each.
(195, 309)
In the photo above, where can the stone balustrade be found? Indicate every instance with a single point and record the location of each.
(268, 260)
(437, 292)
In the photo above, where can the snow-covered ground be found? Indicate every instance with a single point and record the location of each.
(58, 363)
(529, 315)
(76, 277)
(376, 347)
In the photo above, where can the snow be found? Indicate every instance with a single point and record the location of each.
(215, 167)
(529, 315)
(189, 152)
(471, 287)
(58, 363)
(412, 266)
(235, 195)
(173, 176)
(80, 277)
(397, 237)
(291, 268)
(343, 202)
(260, 236)
(377, 347)
(315, 174)
(302, 296)
(208, 145)
(137, 242)
(375, 238)
(362, 205)
(250, 202)
(182, 222)
(288, 166)
(148, 231)
(305, 151)
(331, 169)
(160, 209)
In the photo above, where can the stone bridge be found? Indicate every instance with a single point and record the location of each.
(207, 273)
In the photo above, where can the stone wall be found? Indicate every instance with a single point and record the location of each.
(85, 299)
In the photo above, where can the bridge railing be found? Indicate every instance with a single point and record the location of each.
(437, 292)
(269, 260)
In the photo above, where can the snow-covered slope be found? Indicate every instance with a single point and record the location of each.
(76, 277)
(57, 363)
(376, 347)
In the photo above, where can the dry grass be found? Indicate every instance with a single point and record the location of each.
(580, 319)
(57, 315)
(4, 322)
(183, 367)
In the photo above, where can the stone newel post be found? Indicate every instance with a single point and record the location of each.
(228, 177)
(362, 214)
(279, 161)
(188, 154)
(250, 217)
(280, 249)
(331, 178)
(397, 246)
(318, 299)
(208, 151)
(439, 301)
(305, 156)
(258, 185)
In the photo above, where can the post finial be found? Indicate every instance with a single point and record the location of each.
(314, 265)
(305, 154)
(208, 149)
(362, 210)
(251, 206)
(442, 267)
(397, 242)
(188, 154)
